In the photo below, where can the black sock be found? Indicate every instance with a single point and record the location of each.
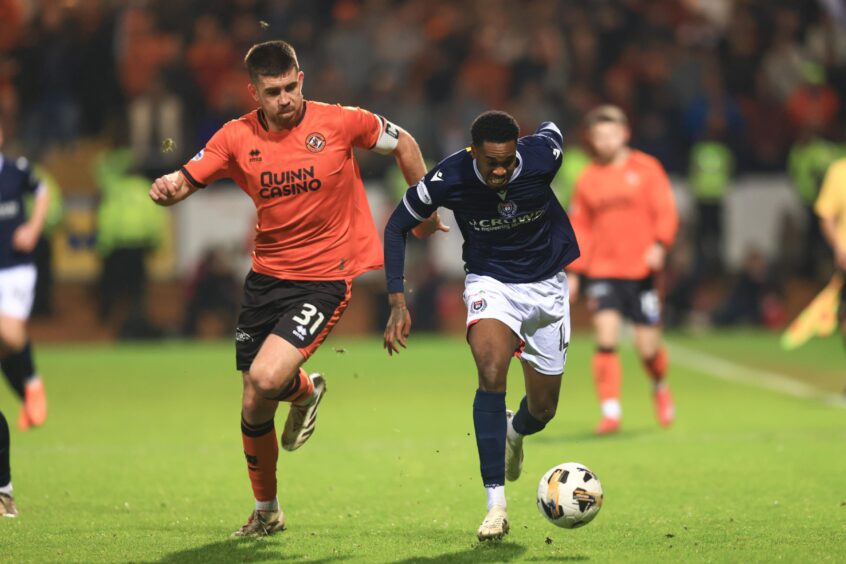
(256, 430)
(490, 423)
(27, 364)
(523, 421)
(5, 471)
(15, 366)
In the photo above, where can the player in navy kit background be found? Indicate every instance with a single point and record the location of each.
(517, 241)
(18, 237)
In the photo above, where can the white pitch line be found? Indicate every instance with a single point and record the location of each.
(732, 372)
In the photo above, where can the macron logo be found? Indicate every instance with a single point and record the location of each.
(556, 153)
(423, 193)
(439, 177)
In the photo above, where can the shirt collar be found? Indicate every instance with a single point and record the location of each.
(263, 119)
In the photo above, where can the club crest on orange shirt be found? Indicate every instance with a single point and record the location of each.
(507, 209)
(632, 178)
(315, 142)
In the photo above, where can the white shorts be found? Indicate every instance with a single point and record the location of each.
(17, 291)
(537, 312)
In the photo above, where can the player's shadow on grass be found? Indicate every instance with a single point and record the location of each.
(490, 552)
(241, 550)
(559, 558)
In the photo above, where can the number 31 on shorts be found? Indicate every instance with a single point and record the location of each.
(306, 315)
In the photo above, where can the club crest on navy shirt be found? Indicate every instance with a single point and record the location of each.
(9, 210)
(507, 209)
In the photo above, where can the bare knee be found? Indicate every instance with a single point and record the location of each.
(544, 409)
(647, 351)
(256, 409)
(546, 414)
(12, 338)
(266, 381)
(647, 342)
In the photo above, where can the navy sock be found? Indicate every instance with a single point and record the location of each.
(5, 471)
(523, 421)
(491, 425)
(27, 364)
(18, 368)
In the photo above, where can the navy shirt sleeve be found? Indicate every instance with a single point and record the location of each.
(417, 205)
(546, 147)
(550, 131)
(428, 195)
(30, 181)
(396, 232)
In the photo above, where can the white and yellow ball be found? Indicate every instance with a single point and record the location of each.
(569, 495)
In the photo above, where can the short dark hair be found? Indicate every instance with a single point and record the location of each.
(270, 58)
(607, 113)
(494, 126)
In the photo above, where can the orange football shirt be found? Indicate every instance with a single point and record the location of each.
(314, 222)
(618, 212)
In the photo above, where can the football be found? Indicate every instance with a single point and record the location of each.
(569, 495)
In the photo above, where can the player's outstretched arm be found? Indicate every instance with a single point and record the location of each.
(410, 161)
(25, 237)
(408, 155)
(171, 189)
(398, 327)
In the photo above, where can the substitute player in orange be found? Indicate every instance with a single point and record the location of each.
(625, 219)
(315, 233)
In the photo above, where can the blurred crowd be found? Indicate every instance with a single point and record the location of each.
(713, 88)
(757, 74)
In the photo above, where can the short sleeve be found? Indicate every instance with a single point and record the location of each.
(362, 127)
(212, 162)
(31, 181)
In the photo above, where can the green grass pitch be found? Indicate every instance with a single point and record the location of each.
(141, 461)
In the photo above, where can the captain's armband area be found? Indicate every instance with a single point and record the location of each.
(388, 138)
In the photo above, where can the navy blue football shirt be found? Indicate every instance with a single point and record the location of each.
(517, 235)
(16, 179)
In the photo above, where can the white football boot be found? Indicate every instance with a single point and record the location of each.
(513, 450)
(302, 418)
(495, 525)
(262, 524)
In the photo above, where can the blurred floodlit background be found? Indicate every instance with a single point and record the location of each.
(742, 101)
